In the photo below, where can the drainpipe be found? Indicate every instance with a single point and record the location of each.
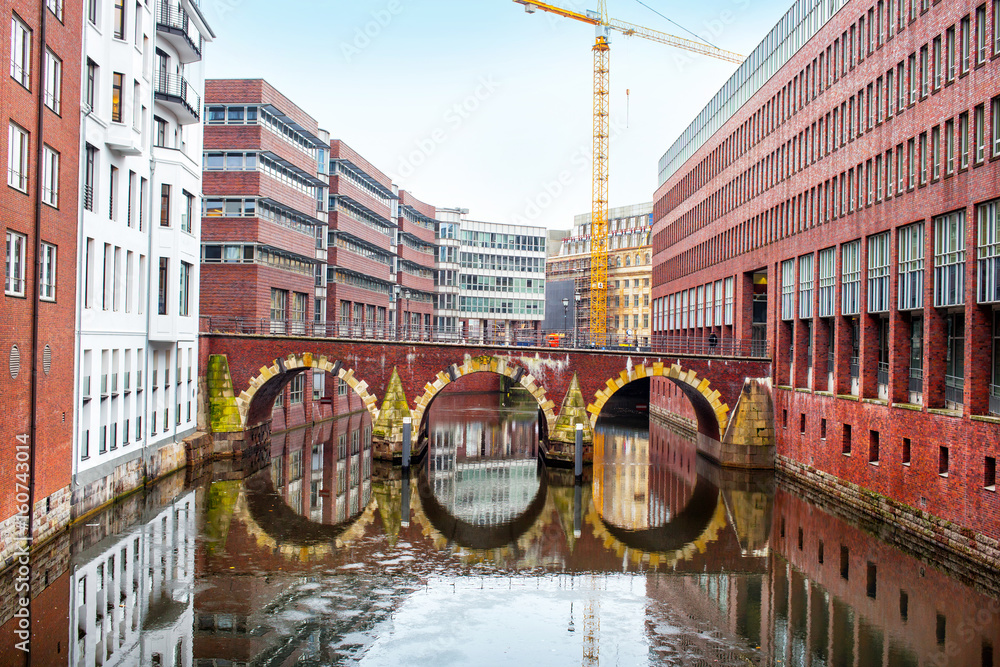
(147, 396)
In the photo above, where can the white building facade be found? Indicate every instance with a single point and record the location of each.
(490, 278)
(137, 300)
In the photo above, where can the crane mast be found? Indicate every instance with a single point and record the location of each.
(599, 191)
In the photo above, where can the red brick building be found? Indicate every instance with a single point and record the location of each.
(264, 224)
(41, 99)
(838, 202)
(361, 258)
(417, 250)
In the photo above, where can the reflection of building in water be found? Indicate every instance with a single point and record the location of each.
(324, 473)
(621, 478)
(482, 467)
(131, 594)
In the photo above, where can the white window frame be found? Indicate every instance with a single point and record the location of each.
(17, 157)
(806, 286)
(827, 282)
(850, 271)
(17, 244)
(52, 94)
(319, 384)
(911, 267)
(988, 265)
(878, 273)
(47, 273)
(20, 52)
(296, 389)
(730, 299)
(50, 176)
(717, 290)
(788, 289)
(949, 259)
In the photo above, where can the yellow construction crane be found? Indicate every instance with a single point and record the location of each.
(599, 206)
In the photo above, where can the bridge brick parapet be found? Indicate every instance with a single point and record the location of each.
(260, 365)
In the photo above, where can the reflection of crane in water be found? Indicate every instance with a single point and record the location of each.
(592, 626)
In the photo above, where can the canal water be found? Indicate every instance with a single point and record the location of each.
(313, 554)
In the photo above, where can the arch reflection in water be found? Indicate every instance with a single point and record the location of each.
(318, 478)
(648, 498)
(482, 484)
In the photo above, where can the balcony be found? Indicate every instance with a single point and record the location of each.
(175, 93)
(176, 27)
(124, 139)
(916, 385)
(954, 391)
(883, 380)
(995, 399)
(86, 388)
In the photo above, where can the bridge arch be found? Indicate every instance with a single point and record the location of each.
(256, 401)
(713, 414)
(484, 364)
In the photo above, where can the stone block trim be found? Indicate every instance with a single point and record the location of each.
(282, 370)
(485, 364)
(697, 389)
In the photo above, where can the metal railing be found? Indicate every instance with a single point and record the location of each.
(555, 338)
(883, 373)
(176, 86)
(855, 368)
(995, 399)
(916, 384)
(175, 20)
(954, 389)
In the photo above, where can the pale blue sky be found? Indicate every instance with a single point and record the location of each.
(475, 103)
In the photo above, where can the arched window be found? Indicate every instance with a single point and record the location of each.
(618, 262)
(647, 258)
(628, 261)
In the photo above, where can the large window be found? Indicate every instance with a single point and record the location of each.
(116, 97)
(730, 291)
(47, 272)
(878, 273)
(319, 384)
(949, 259)
(911, 267)
(995, 380)
(954, 372)
(788, 289)
(806, 286)
(16, 246)
(88, 178)
(295, 389)
(851, 278)
(185, 289)
(988, 215)
(119, 19)
(279, 304)
(20, 52)
(188, 216)
(164, 205)
(162, 286)
(50, 176)
(17, 157)
(53, 81)
(299, 301)
(827, 282)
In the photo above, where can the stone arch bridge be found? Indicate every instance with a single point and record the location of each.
(243, 373)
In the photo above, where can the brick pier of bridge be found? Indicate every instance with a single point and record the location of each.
(242, 374)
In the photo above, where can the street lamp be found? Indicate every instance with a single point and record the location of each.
(406, 312)
(565, 311)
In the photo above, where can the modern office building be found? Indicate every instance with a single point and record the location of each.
(361, 271)
(41, 98)
(838, 201)
(490, 278)
(629, 272)
(416, 251)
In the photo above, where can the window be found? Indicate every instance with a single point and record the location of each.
(159, 132)
(16, 246)
(88, 178)
(56, 7)
(990, 473)
(295, 389)
(730, 290)
(164, 205)
(52, 93)
(845, 443)
(942, 470)
(185, 289)
(279, 304)
(981, 34)
(878, 273)
(50, 176)
(116, 97)
(188, 216)
(91, 85)
(988, 273)
(949, 259)
(805, 286)
(963, 139)
(827, 282)
(17, 157)
(911, 267)
(47, 272)
(788, 289)
(119, 19)
(319, 384)
(980, 130)
(995, 130)
(113, 194)
(851, 278)
(162, 289)
(949, 147)
(966, 43)
(954, 371)
(20, 52)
